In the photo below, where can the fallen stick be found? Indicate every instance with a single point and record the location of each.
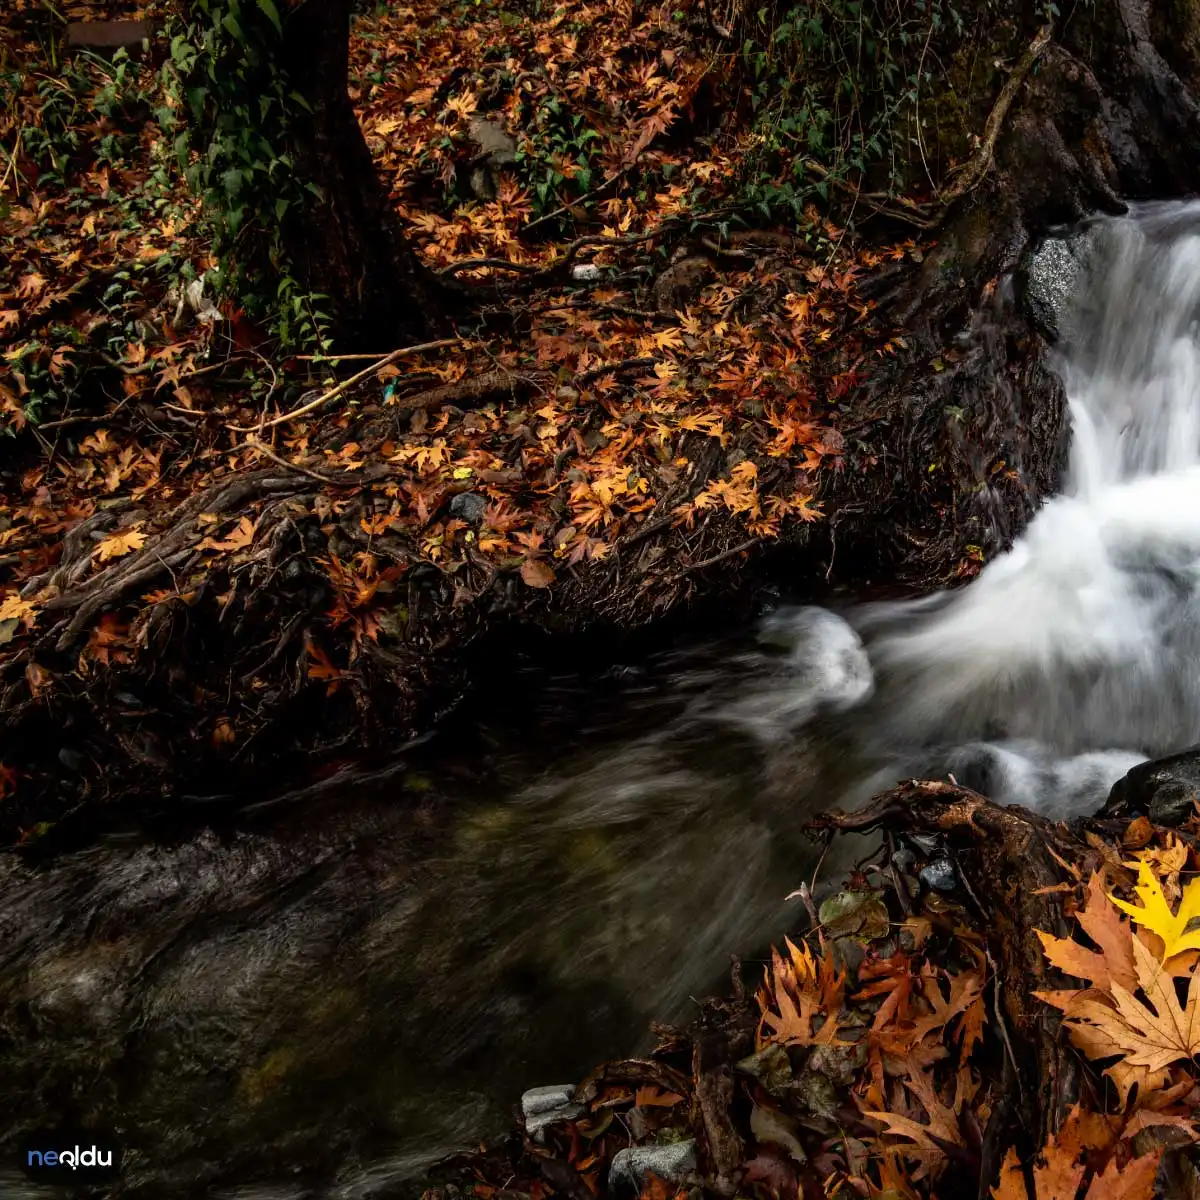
(334, 392)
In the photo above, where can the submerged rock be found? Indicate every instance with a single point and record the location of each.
(1166, 789)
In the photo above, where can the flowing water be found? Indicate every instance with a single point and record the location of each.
(319, 997)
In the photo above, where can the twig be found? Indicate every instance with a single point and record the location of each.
(717, 558)
(334, 392)
(12, 163)
(487, 384)
(500, 264)
(558, 212)
(267, 452)
(626, 364)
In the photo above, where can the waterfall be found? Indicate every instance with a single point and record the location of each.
(1077, 652)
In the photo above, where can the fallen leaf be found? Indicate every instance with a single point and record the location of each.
(798, 991)
(1134, 1181)
(119, 544)
(1100, 921)
(241, 537)
(1155, 913)
(537, 573)
(1151, 1034)
(13, 608)
(652, 1097)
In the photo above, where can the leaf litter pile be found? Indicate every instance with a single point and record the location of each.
(991, 1006)
(207, 538)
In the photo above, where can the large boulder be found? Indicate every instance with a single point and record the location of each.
(1167, 790)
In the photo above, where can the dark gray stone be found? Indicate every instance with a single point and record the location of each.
(1165, 789)
(939, 875)
(673, 1163)
(469, 507)
(1049, 280)
(542, 1106)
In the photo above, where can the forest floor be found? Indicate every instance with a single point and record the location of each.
(218, 551)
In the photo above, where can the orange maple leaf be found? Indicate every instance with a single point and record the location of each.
(119, 544)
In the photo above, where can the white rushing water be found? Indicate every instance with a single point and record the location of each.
(1077, 653)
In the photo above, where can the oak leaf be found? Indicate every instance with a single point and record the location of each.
(798, 991)
(929, 1140)
(117, 545)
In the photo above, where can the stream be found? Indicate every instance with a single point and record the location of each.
(322, 996)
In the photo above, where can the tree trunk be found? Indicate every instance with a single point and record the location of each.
(348, 245)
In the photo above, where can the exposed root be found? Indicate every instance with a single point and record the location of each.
(968, 177)
(164, 554)
(1008, 860)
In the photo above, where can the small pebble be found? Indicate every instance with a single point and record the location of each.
(939, 875)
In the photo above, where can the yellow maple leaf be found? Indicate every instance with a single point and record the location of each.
(119, 544)
(14, 608)
(1155, 913)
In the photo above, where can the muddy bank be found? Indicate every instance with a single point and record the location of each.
(943, 456)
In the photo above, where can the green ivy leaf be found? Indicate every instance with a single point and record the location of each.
(272, 14)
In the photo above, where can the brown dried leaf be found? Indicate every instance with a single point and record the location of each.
(1151, 1034)
(537, 573)
(1134, 1181)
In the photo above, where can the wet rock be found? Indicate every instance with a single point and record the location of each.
(542, 1106)
(939, 875)
(771, 1066)
(1166, 789)
(494, 141)
(1049, 279)
(497, 149)
(469, 507)
(673, 1163)
(680, 283)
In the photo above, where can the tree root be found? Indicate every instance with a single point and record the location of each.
(1007, 859)
(971, 173)
(167, 552)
